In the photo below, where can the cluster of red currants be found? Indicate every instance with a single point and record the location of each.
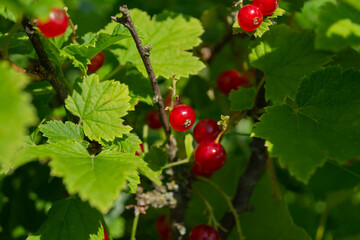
(56, 25)
(200, 232)
(250, 16)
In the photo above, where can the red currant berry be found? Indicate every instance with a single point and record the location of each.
(206, 129)
(142, 149)
(267, 7)
(167, 101)
(201, 172)
(55, 25)
(210, 155)
(162, 226)
(153, 119)
(182, 117)
(96, 62)
(204, 232)
(250, 17)
(231, 80)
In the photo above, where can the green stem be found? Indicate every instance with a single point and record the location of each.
(217, 140)
(212, 219)
(145, 137)
(321, 228)
(134, 227)
(115, 71)
(258, 87)
(5, 46)
(180, 162)
(231, 206)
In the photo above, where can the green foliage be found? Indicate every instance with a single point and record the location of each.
(242, 99)
(339, 26)
(59, 131)
(275, 211)
(285, 58)
(170, 35)
(77, 167)
(80, 55)
(15, 116)
(71, 219)
(322, 124)
(100, 106)
(97, 179)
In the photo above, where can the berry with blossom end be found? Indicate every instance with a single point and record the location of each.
(182, 117)
(267, 7)
(210, 156)
(231, 80)
(206, 129)
(204, 232)
(96, 62)
(250, 17)
(55, 25)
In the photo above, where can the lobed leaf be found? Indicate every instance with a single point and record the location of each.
(242, 99)
(323, 123)
(71, 219)
(170, 35)
(285, 58)
(100, 106)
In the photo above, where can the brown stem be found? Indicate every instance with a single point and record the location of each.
(144, 52)
(47, 69)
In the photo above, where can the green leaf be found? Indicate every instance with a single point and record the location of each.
(38, 8)
(264, 27)
(267, 211)
(308, 18)
(129, 143)
(242, 99)
(139, 86)
(97, 179)
(80, 55)
(156, 158)
(170, 36)
(189, 148)
(100, 106)
(71, 219)
(322, 124)
(16, 113)
(339, 27)
(285, 58)
(59, 131)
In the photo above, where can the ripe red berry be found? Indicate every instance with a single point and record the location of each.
(210, 155)
(267, 7)
(182, 117)
(55, 25)
(206, 129)
(250, 17)
(201, 172)
(204, 232)
(96, 62)
(167, 101)
(162, 226)
(153, 119)
(231, 80)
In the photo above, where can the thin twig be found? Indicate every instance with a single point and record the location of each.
(47, 69)
(134, 227)
(144, 52)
